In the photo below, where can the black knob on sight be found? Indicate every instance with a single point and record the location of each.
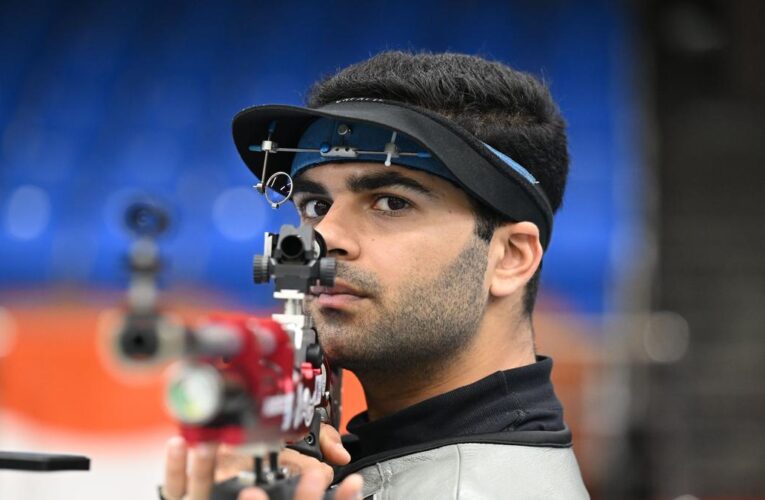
(147, 219)
(260, 271)
(327, 271)
(138, 338)
(314, 355)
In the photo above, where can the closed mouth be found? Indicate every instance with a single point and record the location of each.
(339, 288)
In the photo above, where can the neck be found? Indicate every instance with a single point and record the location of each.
(488, 352)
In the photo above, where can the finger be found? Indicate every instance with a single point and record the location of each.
(297, 463)
(312, 485)
(350, 488)
(229, 464)
(252, 494)
(201, 473)
(332, 446)
(175, 468)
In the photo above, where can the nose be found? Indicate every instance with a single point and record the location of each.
(336, 227)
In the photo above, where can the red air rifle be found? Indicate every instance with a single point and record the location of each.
(255, 383)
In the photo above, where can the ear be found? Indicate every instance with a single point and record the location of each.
(515, 256)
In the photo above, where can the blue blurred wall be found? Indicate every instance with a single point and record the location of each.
(101, 102)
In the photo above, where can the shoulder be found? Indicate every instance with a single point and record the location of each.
(477, 470)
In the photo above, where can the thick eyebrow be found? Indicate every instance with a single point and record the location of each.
(301, 185)
(369, 182)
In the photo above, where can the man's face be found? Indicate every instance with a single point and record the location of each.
(410, 288)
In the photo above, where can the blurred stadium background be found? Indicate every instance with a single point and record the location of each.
(653, 295)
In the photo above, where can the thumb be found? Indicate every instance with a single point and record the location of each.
(332, 446)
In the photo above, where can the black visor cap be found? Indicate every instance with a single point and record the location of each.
(482, 174)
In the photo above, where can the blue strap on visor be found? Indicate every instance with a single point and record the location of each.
(342, 141)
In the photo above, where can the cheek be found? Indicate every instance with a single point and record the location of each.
(420, 254)
(385, 262)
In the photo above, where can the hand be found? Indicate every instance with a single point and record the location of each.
(316, 476)
(312, 486)
(211, 463)
(332, 449)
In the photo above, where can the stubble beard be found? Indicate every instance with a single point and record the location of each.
(414, 332)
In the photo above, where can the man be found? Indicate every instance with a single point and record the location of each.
(433, 179)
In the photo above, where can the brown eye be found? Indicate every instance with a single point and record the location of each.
(315, 208)
(390, 204)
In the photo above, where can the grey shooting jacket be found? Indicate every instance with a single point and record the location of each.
(502, 437)
(470, 471)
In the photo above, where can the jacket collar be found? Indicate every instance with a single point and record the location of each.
(520, 399)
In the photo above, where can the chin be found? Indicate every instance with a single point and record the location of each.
(334, 341)
(333, 350)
